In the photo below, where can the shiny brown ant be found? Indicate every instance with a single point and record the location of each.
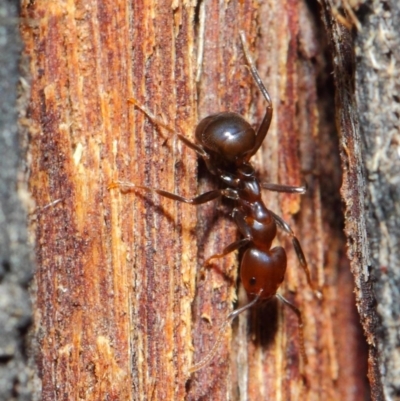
(226, 142)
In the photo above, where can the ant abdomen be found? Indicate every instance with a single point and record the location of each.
(263, 271)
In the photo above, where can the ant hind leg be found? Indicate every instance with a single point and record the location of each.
(227, 250)
(299, 252)
(234, 314)
(300, 325)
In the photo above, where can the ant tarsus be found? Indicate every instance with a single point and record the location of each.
(234, 314)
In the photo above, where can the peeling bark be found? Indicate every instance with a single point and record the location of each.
(368, 120)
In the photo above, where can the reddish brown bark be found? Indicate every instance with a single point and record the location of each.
(116, 272)
(121, 308)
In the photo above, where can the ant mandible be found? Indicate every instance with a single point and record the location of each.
(226, 142)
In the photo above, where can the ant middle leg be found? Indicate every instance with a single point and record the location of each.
(299, 252)
(197, 200)
(284, 188)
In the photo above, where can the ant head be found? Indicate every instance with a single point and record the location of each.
(228, 137)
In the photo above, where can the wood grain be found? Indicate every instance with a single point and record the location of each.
(122, 310)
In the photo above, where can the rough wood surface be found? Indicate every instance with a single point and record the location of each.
(115, 272)
(367, 85)
(122, 310)
(377, 88)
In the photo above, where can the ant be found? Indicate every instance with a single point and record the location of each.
(226, 142)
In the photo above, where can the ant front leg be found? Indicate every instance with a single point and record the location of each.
(299, 252)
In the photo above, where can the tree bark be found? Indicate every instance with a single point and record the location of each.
(368, 118)
(122, 308)
(16, 267)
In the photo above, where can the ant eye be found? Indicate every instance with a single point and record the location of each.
(252, 281)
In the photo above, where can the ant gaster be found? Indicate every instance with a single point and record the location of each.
(226, 142)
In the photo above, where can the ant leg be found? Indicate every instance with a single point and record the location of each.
(300, 325)
(240, 220)
(264, 126)
(227, 250)
(208, 358)
(284, 188)
(299, 252)
(197, 200)
(198, 149)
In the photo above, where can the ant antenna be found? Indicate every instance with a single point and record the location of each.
(198, 149)
(208, 358)
(253, 68)
(150, 115)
